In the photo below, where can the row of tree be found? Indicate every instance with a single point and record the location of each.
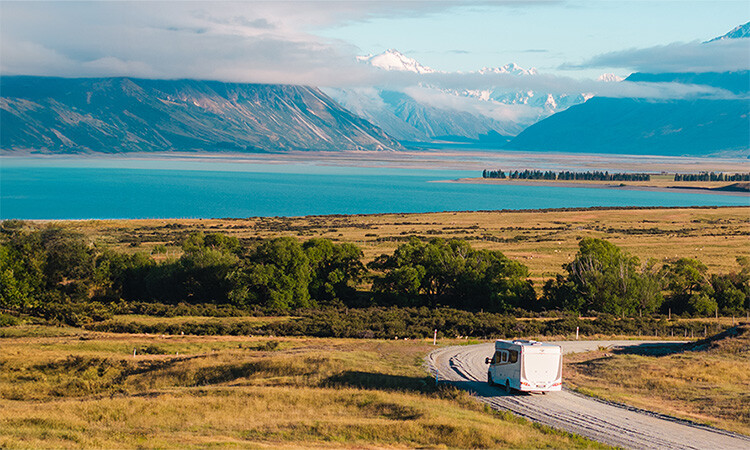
(53, 266)
(565, 175)
(711, 176)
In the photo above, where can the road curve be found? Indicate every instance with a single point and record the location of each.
(611, 424)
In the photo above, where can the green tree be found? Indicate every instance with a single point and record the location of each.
(451, 273)
(689, 287)
(16, 289)
(732, 290)
(276, 275)
(604, 278)
(336, 269)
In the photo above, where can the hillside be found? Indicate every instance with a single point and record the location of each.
(643, 127)
(111, 115)
(408, 119)
(705, 381)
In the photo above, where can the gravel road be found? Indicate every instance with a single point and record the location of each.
(612, 424)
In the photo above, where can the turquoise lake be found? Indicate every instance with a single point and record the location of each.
(112, 189)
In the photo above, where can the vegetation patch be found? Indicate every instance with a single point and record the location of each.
(707, 382)
(62, 392)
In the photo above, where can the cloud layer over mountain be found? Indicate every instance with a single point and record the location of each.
(276, 42)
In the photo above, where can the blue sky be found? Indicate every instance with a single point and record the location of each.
(542, 35)
(315, 42)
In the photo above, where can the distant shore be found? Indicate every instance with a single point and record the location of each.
(718, 188)
(430, 159)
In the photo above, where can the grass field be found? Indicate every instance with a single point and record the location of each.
(80, 389)
(543, 240)
(710, 384)
(178, 320)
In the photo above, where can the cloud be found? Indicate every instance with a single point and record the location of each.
(717, 56)
(541, 83)
(518, 113)
(275, 42)
(243, 42)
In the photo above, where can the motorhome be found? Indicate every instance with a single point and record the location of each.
(528, 366)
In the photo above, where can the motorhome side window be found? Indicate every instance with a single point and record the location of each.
(513, 357)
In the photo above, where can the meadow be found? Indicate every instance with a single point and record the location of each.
(708, 383)
(543, 240)
(68, 388)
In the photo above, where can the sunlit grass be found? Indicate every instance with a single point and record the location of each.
(88, 390)
(709, 386)
(542, 240)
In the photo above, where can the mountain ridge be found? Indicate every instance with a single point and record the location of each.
(680, 127)
(122, 114)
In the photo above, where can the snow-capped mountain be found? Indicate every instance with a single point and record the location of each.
(435, 112)
(609, 78)
(739, 32)
(392, 59)
(511, 68)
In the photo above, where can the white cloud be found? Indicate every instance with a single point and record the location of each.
(717, 56)
(274, 42)
(517, 113)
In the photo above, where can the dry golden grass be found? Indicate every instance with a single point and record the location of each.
(544, 241)
(178, 320)
(707, 385)
(87, 390)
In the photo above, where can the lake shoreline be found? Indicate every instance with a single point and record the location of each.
(598, 185)
(423, 159)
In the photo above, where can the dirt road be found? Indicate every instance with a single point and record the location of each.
(612, 424)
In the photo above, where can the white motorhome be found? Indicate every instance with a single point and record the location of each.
(528, 366)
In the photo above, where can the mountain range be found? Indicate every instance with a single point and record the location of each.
(63, 115)
(66, 115)
(488, 117)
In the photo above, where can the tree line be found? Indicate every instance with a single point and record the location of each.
(711, 176)
(53, 272)
(566, 175)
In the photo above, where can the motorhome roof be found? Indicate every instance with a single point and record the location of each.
(526, 342)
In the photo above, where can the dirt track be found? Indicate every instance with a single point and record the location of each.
(604, 422)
